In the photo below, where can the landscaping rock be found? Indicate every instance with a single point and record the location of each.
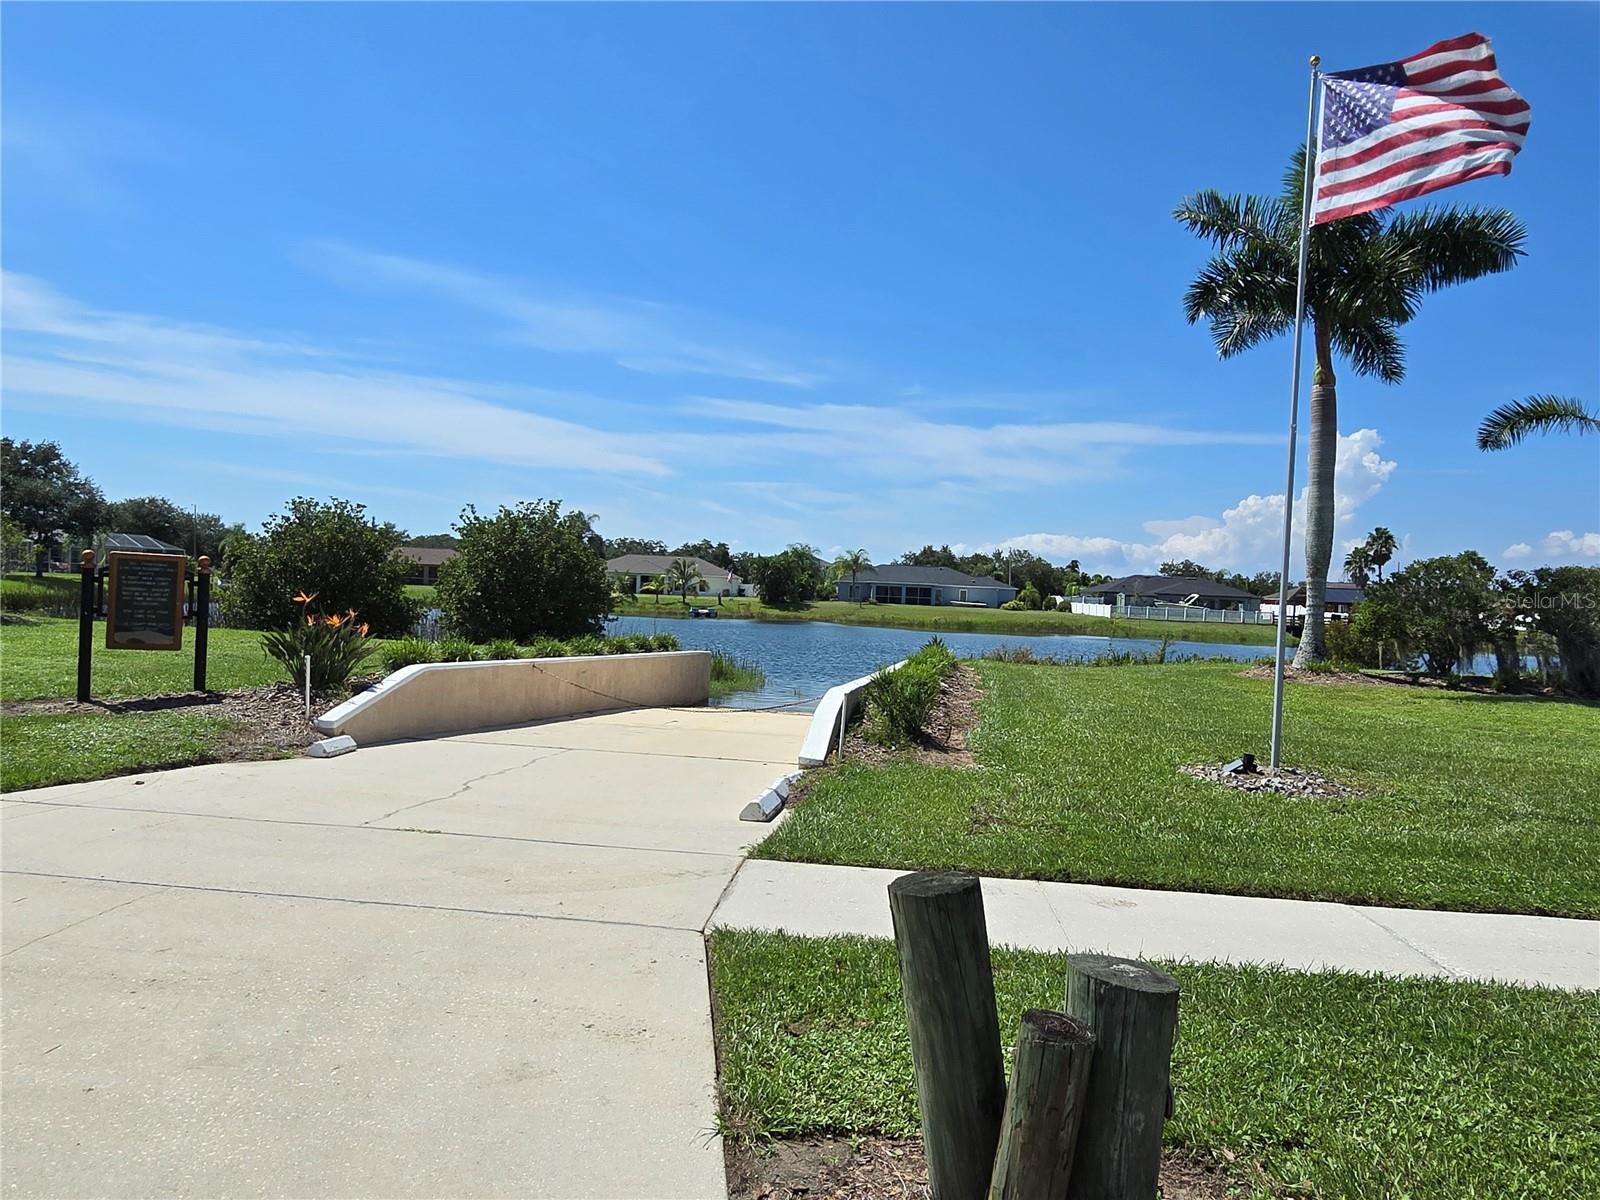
(1285, 781)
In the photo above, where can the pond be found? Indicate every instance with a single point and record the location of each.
(803, 659)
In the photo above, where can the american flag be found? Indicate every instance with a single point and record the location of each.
(1400, 130)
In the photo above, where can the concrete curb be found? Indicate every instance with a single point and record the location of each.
(770, 803)
(331, 747)
(831, 715)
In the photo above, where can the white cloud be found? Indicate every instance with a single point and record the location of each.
(1247, 535)
(1518, 550)
(637, 335)
(1564, 543)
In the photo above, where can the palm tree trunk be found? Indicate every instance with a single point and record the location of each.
(1322, 452)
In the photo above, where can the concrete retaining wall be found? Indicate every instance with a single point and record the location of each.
(832, 714)
(437, 698)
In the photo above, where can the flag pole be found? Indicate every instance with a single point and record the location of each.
(1294, 417)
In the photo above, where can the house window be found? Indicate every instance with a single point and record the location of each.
(884, 594)
(919, 595)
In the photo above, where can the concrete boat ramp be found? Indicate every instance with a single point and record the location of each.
(470, 966)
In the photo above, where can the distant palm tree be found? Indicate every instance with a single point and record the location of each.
(852, 564)
(1380, 548)
(1358, 566)
(682, 575)
(1510, 423)
(1366, 276)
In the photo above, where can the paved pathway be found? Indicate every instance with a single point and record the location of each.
(818, 900)
(464, 967)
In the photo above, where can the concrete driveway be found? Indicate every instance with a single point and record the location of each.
(463, 967)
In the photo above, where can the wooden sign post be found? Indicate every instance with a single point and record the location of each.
(144, 608)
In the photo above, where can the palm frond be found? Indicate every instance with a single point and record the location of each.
(1228, 221)
(1373, 348)
(1453, 245)
(1510, 423)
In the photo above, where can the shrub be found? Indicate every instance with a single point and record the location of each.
(1014, 606)
(407, 652)
(336, 643)
(588, 644)
(1029, 597)
(457, 650)
(500, 650)
(331, 550)
(661, 643)
(788, 580)
(525, 573)
(1347, 647)
(548, 648)
(900, 702)
(1051, 604)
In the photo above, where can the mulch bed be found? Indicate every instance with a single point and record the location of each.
(884, 1168)
(1264, 671)
(1284, 781)
(944, 740)
(266, 721)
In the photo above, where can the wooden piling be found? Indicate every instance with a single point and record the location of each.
(1044, 1108)
(1133, 1010)
(943, 945)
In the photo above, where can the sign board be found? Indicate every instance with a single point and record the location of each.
(144, 601)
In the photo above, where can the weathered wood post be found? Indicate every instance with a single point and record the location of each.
(1133, 1010)
(86, 608)
(943, 944)
(202, 619)
(1044, 1108)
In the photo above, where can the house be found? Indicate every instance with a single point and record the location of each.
(1342, 596)
(424, 562)
(645, 567)
(1149, 591)
(896, 583)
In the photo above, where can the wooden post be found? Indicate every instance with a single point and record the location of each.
(1133, 1010)
(945, 975)
(1039, 1134)
(202, 620)
(85, 623)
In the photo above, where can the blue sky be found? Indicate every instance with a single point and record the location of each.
(853, 275)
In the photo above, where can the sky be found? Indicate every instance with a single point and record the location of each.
(852, 275)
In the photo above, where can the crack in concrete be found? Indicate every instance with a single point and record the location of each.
(1407, 942)
(468, 785)
(81, 920)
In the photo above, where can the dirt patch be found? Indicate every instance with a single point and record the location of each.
(266, 721)
(1284, 781)
(1294, 675)
(883, 1168)
(944, 739)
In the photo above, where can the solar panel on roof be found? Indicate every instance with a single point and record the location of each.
(141, 543)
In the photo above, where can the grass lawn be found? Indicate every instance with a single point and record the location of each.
(41, 660)
(956, 620)
(421, 591)
(43, 749)
(1321, 1085)
(1466, 801)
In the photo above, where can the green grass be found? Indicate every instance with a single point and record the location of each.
(1468, 801)
(1336, 1085)
(421, 591)
(730, 675)
(956, 620)
(41, 660)
(55, 594)
(44, 749)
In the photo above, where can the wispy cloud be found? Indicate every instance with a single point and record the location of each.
(1560, 545)
(1248, 534)
(638, 335)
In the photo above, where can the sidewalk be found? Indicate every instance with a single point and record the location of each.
(815, 900)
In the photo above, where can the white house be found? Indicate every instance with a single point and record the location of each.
(645, 567)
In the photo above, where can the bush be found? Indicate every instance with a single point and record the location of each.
(330, 550)
(1029, 597)
(500, 650)
(588, 644)
(787, 580)
(1051, 604)
(408, 652)
(525, 573)
(1014, 606)
(457, 650)
(548, 648)
(1347, 647)
(336, 642)
(900, 702)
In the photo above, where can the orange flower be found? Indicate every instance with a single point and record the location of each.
(363, 628)
(336, 620)
(349, 614)
(302, 598)
(310, 620)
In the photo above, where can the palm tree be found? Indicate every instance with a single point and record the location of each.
(682, 575)
(1366, 275)
(852, 564)
(1380, 548)
(1358, 566)
(1510, 423)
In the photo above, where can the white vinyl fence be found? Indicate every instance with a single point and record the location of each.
(1174, 612)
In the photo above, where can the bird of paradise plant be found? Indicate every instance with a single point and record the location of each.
(335, 642)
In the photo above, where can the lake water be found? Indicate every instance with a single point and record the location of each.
(803, 659)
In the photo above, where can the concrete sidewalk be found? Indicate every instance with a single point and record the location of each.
(464, 967)
(818, 900)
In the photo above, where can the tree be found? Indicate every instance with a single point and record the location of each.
(1030, 597)
(787, 580)
(1510, 423)
(47, 496)
(929, 557)
(1563, 603)
(852, 564)
(1380, 548)
(617, 547)
(197, 532)
(684, 576)
(1358, 566)
(716, 554)
(434, 541)
(333, 550)
(527, 572)
(1366, 276)
(1435, 608)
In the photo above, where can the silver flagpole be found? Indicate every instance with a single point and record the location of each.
(1294, 417)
